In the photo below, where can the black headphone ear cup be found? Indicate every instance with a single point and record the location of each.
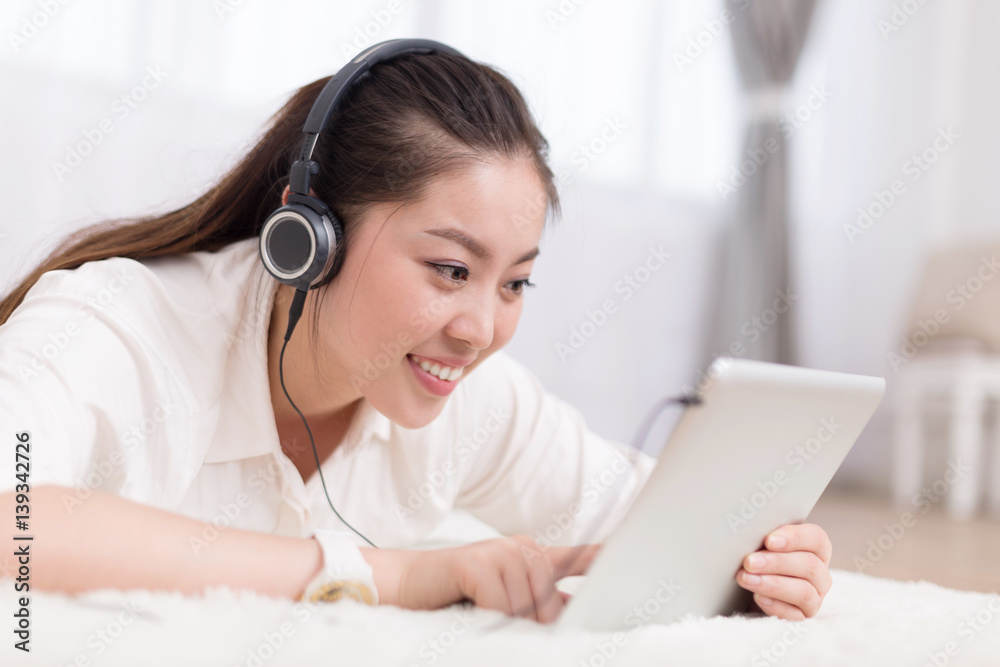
(336, 253)
(298, 244)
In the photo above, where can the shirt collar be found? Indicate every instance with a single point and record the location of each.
(368, 422)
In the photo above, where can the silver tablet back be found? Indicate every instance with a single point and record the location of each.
(755, 454)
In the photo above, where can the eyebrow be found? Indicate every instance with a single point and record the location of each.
(474, 246)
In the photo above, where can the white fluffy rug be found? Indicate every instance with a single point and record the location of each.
(865, 621)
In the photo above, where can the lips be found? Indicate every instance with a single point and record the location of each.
(445, 369)
(433, 383)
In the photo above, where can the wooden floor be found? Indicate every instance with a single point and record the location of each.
(868, 536)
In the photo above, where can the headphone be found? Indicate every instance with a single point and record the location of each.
(298, 242)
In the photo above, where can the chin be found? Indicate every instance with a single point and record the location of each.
(404, 403)
(413, 416)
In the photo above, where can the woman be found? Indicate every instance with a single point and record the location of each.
(147, 370)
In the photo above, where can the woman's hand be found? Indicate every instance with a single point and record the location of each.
(509, 574)
(789, 578)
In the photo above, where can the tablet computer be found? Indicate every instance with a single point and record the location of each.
(754, 454)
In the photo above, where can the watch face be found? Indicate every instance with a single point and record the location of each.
(338, 590)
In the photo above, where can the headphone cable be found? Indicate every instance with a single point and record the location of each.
(294, 313)
(639, 441)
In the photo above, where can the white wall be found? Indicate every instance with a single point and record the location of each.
(890, 96)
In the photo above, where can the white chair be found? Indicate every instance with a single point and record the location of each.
(956, 367)
(963, 382)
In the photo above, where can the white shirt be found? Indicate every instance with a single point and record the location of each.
(148, 379)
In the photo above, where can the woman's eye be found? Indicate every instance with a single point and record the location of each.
(460, 275)
(518, 286)
(455, 274)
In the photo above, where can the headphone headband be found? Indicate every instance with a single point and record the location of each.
(299, 242)
(304, 168)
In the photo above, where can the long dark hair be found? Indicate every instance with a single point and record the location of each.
(407, 122)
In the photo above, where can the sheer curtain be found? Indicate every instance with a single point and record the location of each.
(226, 65)
(768, 36)
(638, 136)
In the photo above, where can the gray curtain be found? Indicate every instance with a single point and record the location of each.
(768, 36)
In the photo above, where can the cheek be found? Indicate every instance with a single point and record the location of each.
(430, 311)
(396, 306)
(505, 324)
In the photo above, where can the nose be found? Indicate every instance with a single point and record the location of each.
(474, 322)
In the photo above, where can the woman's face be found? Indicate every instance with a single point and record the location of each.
(439, 281)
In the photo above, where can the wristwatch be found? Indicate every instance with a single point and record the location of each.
(345, 572)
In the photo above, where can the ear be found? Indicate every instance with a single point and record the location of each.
(284, 194)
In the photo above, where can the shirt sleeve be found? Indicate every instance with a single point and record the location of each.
(543, 472)
(79, 382)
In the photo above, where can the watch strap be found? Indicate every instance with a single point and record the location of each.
(345, 573)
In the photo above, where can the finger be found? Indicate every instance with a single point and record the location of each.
(796, 592)
(490, 592)
(801, 537)
(778, 609)
(516, 580)
(802, 564)
(541, 578)
(568, 561)
(548, 603)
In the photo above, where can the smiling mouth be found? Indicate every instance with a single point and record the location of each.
(437, 370)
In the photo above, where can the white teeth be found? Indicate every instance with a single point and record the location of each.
(445, 373)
